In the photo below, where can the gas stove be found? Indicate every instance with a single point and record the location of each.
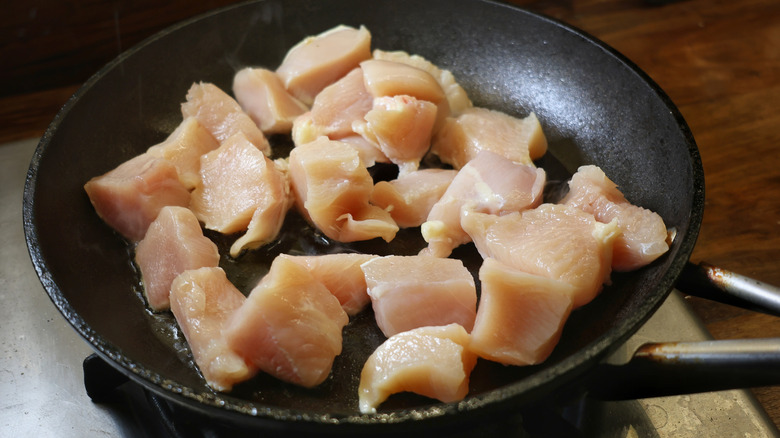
(46, 368)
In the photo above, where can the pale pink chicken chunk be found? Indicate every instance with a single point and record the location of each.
(339, 105)
(402, 127)
(222, 115)
(552, 240)
(415, 291)
(341, 274)
(389, 78)
(410, 197)
(272, 207)
(184, 147)
(305, 132)
(476, 129)
(457, 97)
(129, 197)
(431, 361)
(262, 95)
(368, 152)
(489, 183)
(303, 129)
(290, 325)
(320, 60)
(644, 234)
(241, 189)
(203, 301)
(520, 317)
(173, 244)
(332, 187)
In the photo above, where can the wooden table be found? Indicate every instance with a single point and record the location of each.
(719, 61)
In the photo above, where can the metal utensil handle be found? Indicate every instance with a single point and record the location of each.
(710, 282)
(674, 368)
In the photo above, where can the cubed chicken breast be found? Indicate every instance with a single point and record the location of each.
(433, 362)
(341, 274)
(332, 187)
(457, 97)
(304, 131)
(273, 202)
(554, 241)
(476, 129)
(490, 183)
(290, 325)
(129, 197)
(389, 78)
(239, 184)
(222, 115)
(173, 244)
(416, 291)
(184, 147)
(318, 61)
(339, 105)
(262, 95)
(520, 317)
(202, 301)
(644, 234)
(410, 197)
(368, 152)
(402, 127)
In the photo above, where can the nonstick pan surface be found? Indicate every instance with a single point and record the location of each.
(595, 107)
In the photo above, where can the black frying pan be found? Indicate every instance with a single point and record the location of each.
(595, 107)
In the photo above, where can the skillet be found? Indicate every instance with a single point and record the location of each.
(595, 107)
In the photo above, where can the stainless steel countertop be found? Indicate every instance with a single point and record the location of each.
(41, 387)
(41, 379)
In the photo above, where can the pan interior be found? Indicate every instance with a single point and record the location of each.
(595, 108)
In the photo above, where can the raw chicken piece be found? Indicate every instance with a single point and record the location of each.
(520, 316)
(340, 104)
(304, 131)
(415, 291)
(410, 197)
(644, 232)
(290, 325)
(222, 115)
(369, 153)
(477, 129)
(456, 96)
(431, 361)
(341, 274)
(489, 183)
(553, 241)
(240, 187)
(203, 300)
(320, 60)
(184, 147)
(389, 78)
(402, 127)
(173, 244)
(273, 204)
(332, 187)
(262, 95)
(129, 197)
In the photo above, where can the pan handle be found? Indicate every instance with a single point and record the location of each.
(675, 368)
(713, 283)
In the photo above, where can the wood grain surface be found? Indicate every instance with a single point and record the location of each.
(719, 61)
